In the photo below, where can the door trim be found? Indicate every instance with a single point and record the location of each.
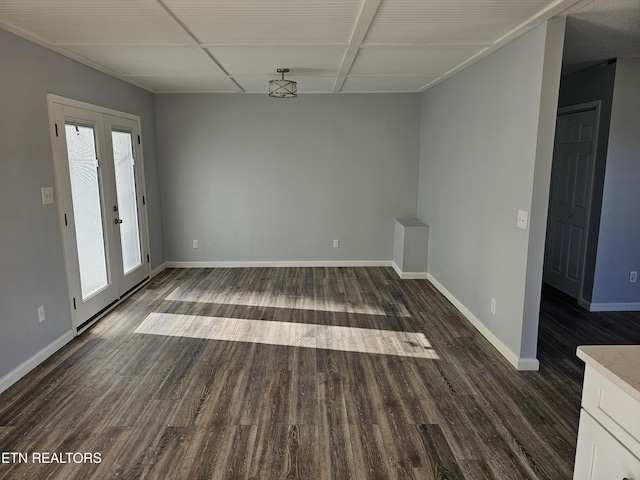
(77, 326)
(570, 109)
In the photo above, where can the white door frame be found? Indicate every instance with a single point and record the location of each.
(78, 325)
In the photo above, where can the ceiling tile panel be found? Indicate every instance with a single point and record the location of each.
(274, 21)
(87, 21)
(449, 21)
(264, 60)
(182, 83)
(146, 59)
(385, 84)
(260, 84)
(411, 60)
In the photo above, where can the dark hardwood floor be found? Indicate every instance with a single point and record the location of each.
(301, 373)
(564, 325)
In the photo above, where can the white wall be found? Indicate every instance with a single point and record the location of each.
(619, 237)
(258, 179)
(32, 271)
(486, 146)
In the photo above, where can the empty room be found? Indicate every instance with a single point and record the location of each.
(323, 239)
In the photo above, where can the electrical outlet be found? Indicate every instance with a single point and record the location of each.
(195, 244)
(493, 306)
(41, 315)
(336, 243)
(633, 277)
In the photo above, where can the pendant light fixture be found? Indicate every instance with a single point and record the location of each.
(283, 88)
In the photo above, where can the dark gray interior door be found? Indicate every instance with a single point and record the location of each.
(569, 200)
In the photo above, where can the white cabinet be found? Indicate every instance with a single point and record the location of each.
(609, 432)
(599, 456)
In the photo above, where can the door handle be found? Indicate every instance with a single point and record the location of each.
(117, 221)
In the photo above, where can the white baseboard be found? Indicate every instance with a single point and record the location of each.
(21, 370)
(409, 275)
(518, 362)
(311, 263)
(613, 307)
(157, 271)
(528, 364)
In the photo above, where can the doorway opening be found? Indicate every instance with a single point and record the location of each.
(568, 219)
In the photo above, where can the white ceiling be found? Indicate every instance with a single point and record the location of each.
(330, 46)
(599, 30)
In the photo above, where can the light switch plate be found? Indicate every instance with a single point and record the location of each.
(47, 195)
(523, 219)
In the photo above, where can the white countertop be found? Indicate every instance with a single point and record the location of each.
(618, 363)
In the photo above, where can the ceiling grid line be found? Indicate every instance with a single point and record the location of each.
(367, 14)
(192, 42)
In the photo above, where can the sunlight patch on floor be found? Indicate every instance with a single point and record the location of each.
(267, 299)
(349, 339)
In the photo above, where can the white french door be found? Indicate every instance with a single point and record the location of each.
(100, 190)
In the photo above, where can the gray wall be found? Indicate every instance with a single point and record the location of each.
(32, 271)
(486, 147)
(589, 85)
(619, 238)
(254, 178)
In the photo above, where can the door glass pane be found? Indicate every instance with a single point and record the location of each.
(87, 211)
(127, 206)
